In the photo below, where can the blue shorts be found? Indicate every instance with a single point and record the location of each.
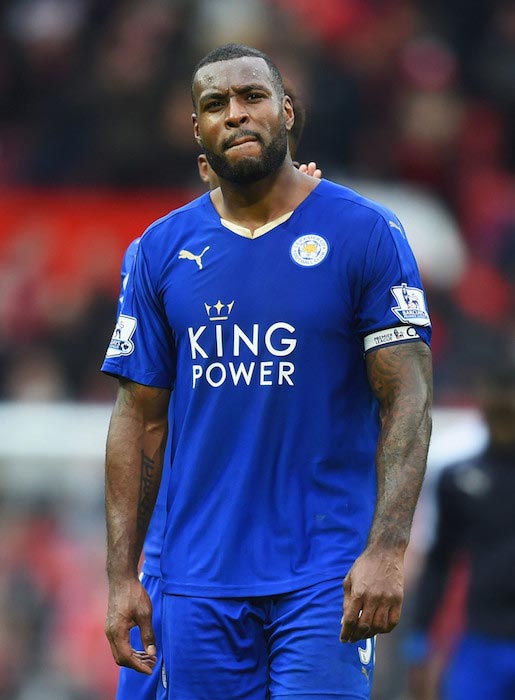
(482, 667)
(133, 685)
(281, 646)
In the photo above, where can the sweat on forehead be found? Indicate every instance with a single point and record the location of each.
(240, 76)
(232, 52)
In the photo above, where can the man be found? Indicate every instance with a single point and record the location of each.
(289, 468)
(131, 684)
(476, 532)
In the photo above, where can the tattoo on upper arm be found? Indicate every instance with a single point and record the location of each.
(131, 394)
(128, 394)
(390, 370)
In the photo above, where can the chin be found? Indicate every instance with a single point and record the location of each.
(234, 159)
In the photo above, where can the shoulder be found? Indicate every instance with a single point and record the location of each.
(367, 210)
(130, 254)
(366, 229)
(160, 230)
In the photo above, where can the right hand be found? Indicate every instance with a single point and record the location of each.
(130, 606)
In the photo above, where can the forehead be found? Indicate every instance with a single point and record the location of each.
(236, 72)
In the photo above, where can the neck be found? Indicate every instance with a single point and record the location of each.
(255, 204)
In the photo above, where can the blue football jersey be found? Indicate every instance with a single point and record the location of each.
(272, 482)
(156, 527)
(127, 264)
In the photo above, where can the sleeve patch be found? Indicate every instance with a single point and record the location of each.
(398, 334)
(121, 343)
(411, 305)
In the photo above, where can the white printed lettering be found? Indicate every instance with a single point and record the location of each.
(289, 343)
(240, 335)
(286, 369)
(197, 373)
(265, 371)
(219, 341)
(242, 371)
(365, 655)
(195, 347)
(209, 372)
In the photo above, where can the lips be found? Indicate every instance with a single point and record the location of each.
(248, 138)
(239, 142)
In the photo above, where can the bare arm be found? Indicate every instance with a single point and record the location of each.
(400, 377)
(134, 460)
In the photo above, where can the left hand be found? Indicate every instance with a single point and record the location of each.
(311, 169)
(373, 594)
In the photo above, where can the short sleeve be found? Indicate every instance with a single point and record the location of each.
(127, 263)
(392, 305)
(142, 347)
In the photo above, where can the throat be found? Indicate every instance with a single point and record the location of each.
(249, 218)
(254, 231)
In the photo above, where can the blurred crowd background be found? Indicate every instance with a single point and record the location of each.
(412, 101)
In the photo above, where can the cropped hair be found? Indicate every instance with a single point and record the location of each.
(229, 51)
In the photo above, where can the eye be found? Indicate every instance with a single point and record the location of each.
(253, 96)
(213, 105)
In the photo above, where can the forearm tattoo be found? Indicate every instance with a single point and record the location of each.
(147, 488)
(401, 380)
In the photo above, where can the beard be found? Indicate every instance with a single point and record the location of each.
(247, 169)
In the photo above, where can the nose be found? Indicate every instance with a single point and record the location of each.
(237, 113)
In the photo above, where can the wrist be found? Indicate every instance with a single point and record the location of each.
(388, 541)
(120, 571)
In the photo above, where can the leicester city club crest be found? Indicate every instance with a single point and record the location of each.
(309, 250)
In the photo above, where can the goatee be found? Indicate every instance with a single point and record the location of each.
(247, 169)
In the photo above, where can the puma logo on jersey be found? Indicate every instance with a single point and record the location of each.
(186, 255)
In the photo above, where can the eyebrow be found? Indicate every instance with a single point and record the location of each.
(239, 90)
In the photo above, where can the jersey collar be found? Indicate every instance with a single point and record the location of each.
(260, 231)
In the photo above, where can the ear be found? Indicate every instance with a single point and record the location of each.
(203, 168)
(195, 129)
(289, 114)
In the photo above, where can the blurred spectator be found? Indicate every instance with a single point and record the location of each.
(472, 559)
(43, 576)
(494, 66)
(414, 97)
(97, 94)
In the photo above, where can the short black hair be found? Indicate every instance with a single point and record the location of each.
(227, 52)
